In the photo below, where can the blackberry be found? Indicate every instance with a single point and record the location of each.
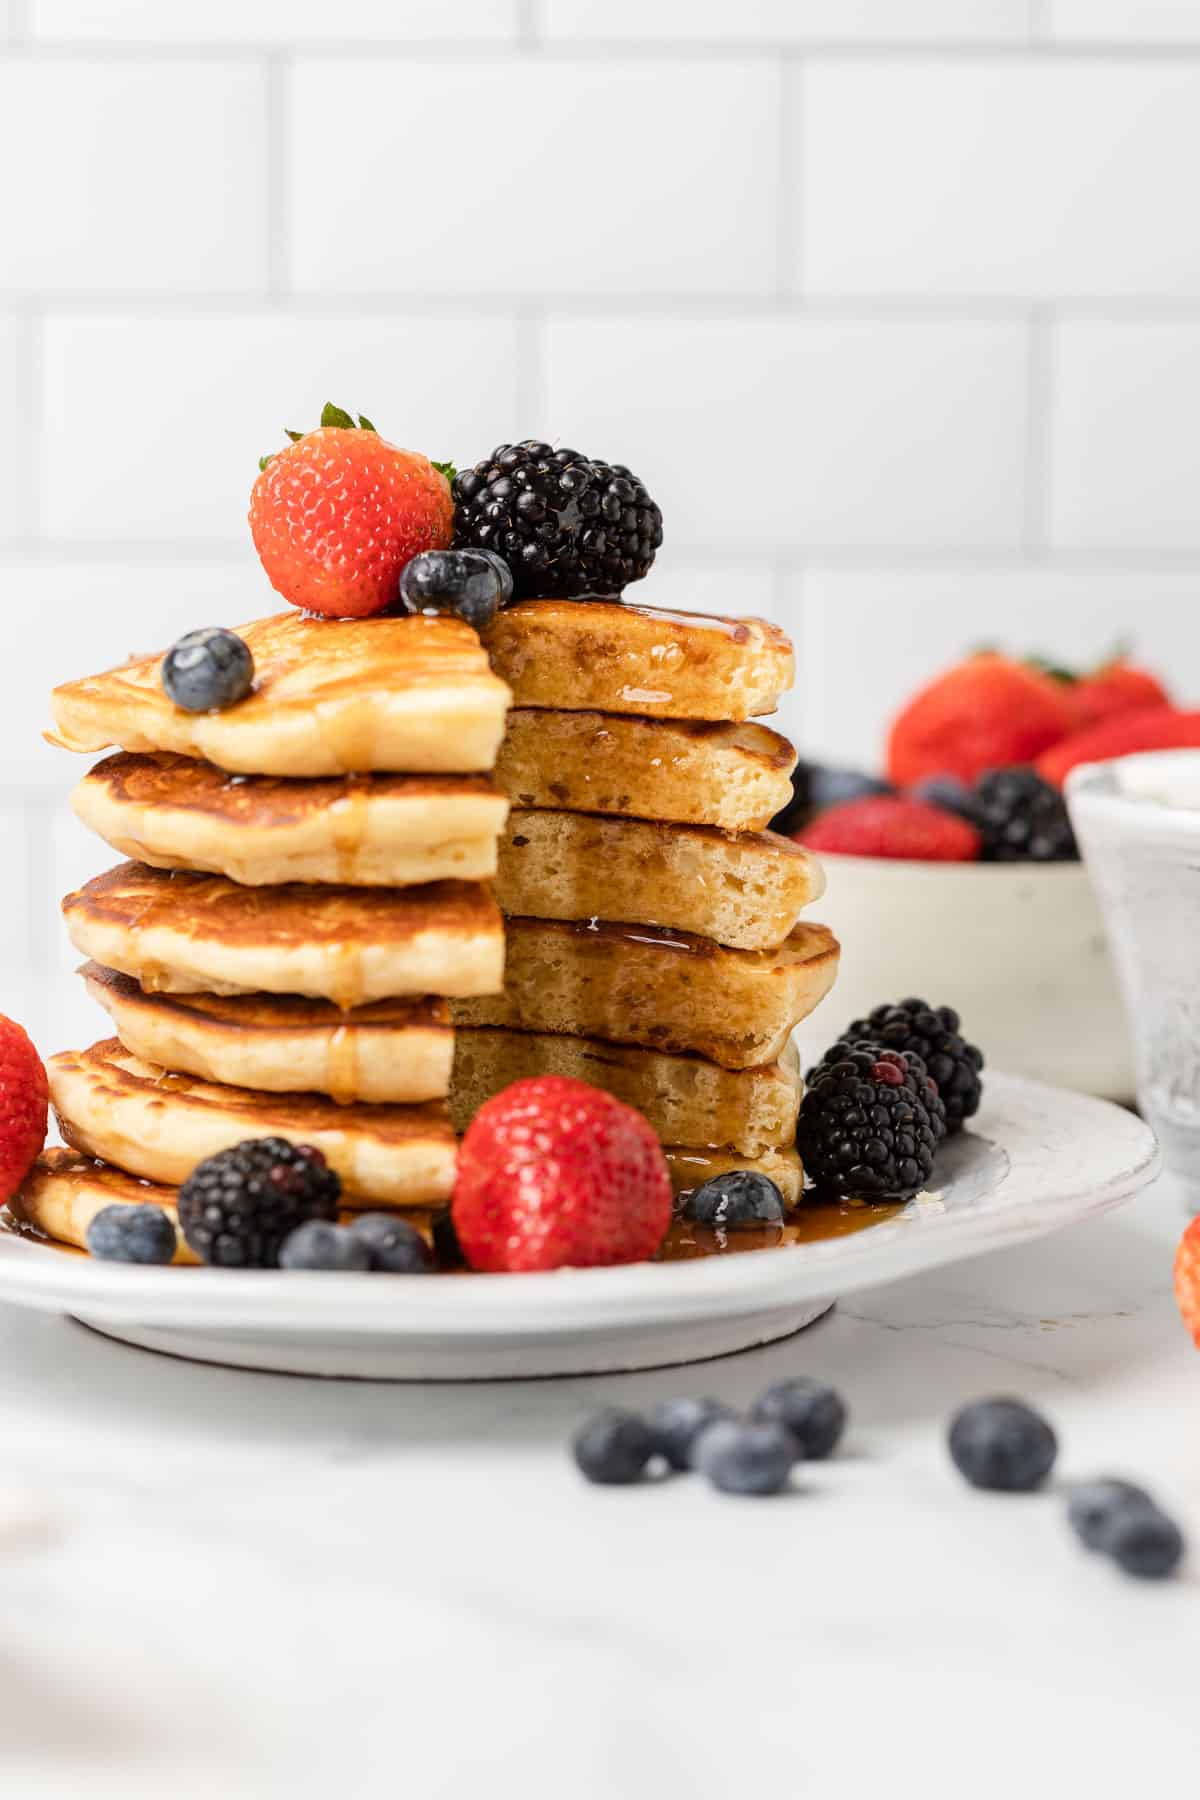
(566, 524)
(932, 1033)
(1021, 818)
(870, 1123)
(236, 1208)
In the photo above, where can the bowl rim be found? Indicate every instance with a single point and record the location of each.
(975, 870)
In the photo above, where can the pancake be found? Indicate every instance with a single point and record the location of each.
(64, 1191)
(187, 934)
(330, 697)
(600, 655)
(666, 990)
(685, 1099)
(395, 1052)
(745, 889)
(690, 1168)
(696, 773)
(131, 1113)
(365, 830)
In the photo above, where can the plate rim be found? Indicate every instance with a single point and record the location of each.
(636, 1295)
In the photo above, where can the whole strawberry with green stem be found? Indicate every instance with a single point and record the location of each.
(338, 512)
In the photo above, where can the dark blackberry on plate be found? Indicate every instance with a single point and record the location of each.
(567, 525)
(870, 1123)
(931, 1033)
(237, 1207)
(1022, 818)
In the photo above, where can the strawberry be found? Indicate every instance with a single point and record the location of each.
(1118, 687)
(1150, 728)
(23, 1101)
(986, 713)
(886, 825)
(337, 514)
(553, 1173)
(1187, 1279)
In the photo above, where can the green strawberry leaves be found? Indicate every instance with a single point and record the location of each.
(341, 420)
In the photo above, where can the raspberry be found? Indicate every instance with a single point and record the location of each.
(23, 1104)
(337, 514)
(553, 1173)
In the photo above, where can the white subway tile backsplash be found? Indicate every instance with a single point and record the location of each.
(13, 428)
(78, 617)
(270, 21)
(804, 432)
(140, 178)
(786, 21)
(1129, 22)
(1021, 178)
(15, 934)
(224, 389)
(1125, 447)
(871, 638)
(534, 177)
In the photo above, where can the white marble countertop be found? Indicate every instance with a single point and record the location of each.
(248, 1586)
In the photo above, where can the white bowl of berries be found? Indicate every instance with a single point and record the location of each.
(959, 874)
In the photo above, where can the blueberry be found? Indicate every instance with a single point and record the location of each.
(745, 1458)
(132, 1234)
(741, 1197)
(948, 794)
(1092, 1506)
(677, 1424)
(1143, 1541)
(813, 1413)
(394, 1247)
(472, 584)
(613, 1447)
(207, 670)
(319, 1245)
(1002, 1444)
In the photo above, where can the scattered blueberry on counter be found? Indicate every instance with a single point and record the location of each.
(1119, 1519)
(207, 670)
(132, 1234)
(677, 1424)
(814, 1414)
(614, 1447)
(1003, 1445)
(742, 1457)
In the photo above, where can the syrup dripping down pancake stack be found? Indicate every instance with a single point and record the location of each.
(655, 945)
(307, 884)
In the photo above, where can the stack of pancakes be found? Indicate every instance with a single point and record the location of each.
(654, 941)
(309, 885)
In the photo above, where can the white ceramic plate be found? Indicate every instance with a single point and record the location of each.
(1038, 1158)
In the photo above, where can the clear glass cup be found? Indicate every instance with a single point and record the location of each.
(1138, 824)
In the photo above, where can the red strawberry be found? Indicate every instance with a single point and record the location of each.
(1118, 687)
(987, 713)
(885, 825)
(23, 1101)
(553, 1173)
(1187, 1279)
(1151, 728)
(337, 514)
